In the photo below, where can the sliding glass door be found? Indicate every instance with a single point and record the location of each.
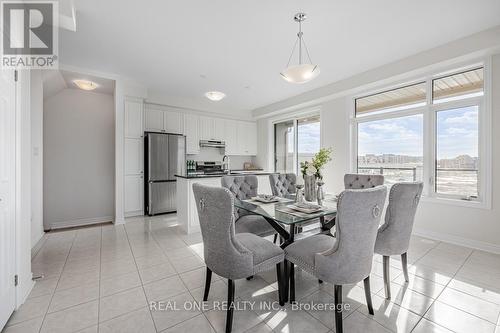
(295, 141)
(284, 147)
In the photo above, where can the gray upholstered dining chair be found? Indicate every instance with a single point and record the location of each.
(347, 257)
(230, 255)
(355, 181)
(245, 187)
(283, 184)
(394, 235)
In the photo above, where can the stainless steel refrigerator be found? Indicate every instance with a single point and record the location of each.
(165, 156)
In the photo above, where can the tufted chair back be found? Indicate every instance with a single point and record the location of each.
(394, 235)
(242, 187)
(358, 217)
(224, 254)
(353, 181)
(283, 184)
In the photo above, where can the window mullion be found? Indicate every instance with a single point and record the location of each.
(429, 143)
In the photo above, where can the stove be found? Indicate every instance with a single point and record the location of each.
(210, 168)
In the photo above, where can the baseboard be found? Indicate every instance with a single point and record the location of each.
(38, 245)
(119, 221)
(24, 289)
(474, 244)
(80, 222)
(134, 213)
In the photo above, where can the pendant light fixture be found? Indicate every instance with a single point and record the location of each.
(302, 72)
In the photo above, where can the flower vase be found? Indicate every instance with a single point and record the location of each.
(310, 188)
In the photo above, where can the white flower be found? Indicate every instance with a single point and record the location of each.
(311, 170)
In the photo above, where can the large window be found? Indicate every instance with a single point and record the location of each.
(295, 141)
(392, 147)
(442, 113)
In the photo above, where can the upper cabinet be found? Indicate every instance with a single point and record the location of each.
(153, 120)
(247, 138)
(240, 136)
(192, 132)
(161, 119)
(133, 118)
(231, 137)
(207, 129)
(173, 122)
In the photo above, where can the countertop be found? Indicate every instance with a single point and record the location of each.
(233, 173)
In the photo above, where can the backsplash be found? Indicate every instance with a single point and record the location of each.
(214, 154)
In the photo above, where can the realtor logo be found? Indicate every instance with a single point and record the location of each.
(29, 34)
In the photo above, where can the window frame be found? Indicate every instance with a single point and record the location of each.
(429, 113)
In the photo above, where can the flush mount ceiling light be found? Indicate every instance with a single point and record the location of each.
(215, 95)
(85, 84)
(302, 72)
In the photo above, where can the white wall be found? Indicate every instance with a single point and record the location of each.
(36, 92)
(79, 158)
(472, 227)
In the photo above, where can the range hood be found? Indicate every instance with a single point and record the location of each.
(212, 143)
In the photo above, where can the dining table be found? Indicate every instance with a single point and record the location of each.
(281, 216)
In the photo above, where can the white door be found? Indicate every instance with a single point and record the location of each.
(7, 188)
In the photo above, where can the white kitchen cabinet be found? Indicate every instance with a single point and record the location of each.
(134, 195)
(231, 136)
(153, 120)
(247, 138)
(220, 132)
(133, 118)
(168, 120)
(192, 132)
(207, 128)
(134, 156)
(173, 122)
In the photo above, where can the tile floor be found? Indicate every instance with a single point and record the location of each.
(101, 279)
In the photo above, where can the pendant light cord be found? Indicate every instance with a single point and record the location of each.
(300, 40)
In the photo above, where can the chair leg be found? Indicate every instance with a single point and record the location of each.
(275, 238)
(279, 275)
(338, 309)
(292, 282)
(230, 305)
(404, 262)
(368, 295)
(286, 278)
(208, 279)
(387, 280)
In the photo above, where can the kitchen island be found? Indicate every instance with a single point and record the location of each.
(187, 213)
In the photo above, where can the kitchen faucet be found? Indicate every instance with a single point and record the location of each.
(225, 164)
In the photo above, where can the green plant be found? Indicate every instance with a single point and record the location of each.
(322, 157)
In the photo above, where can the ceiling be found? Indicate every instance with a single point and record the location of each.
(181, 49)
(55, 81)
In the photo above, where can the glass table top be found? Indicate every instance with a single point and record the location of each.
(280, 212)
